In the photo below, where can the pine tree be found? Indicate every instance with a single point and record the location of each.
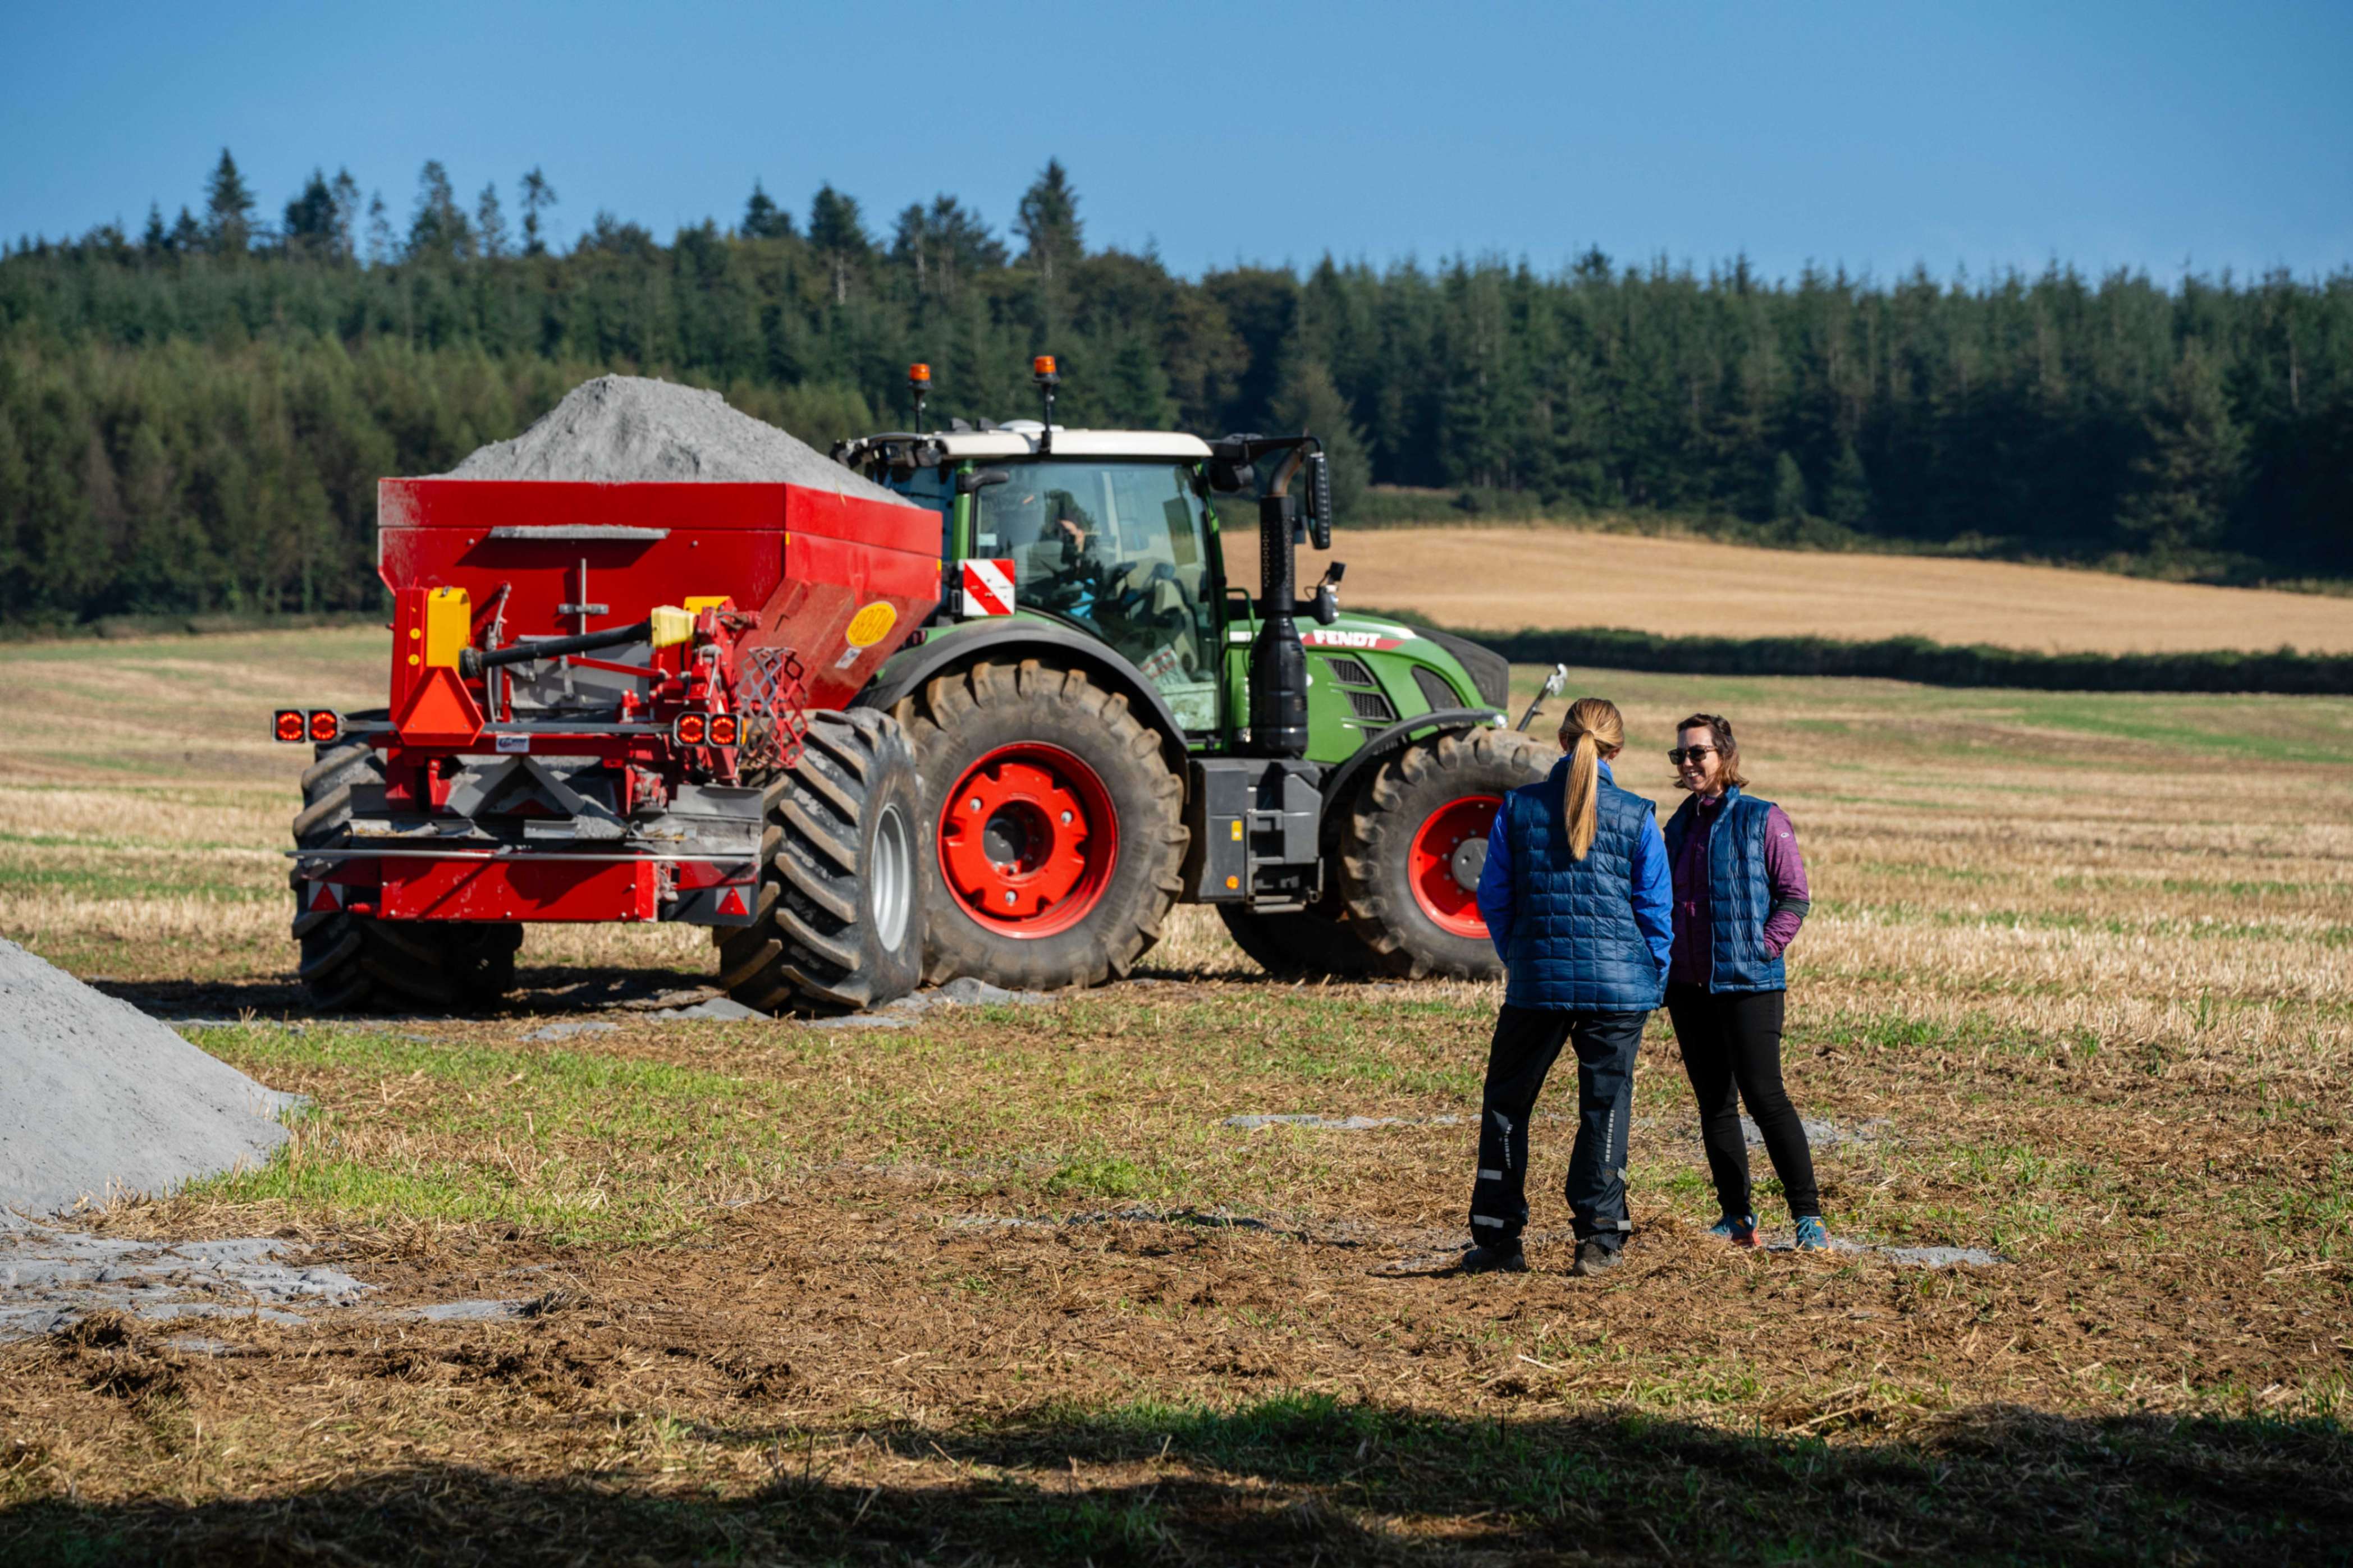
(2187, 475)
(1789, 499)
(187, 235)
(1135, 392)
(490, 222)
(943, 245)
(229, 209)
(309, 226)
(1307, 402)
(1846, 499)
(836, 232)
(156, 240)
(438, 229)
(538, 195)
(763, 218)
(346, 192)
(380, 241)
(1048, 222)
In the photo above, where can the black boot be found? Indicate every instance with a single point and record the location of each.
(1593, 1258)
(1502, 1257)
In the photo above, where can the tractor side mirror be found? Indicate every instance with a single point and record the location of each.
(1319, 500)
(1231, 469)
(974, 480)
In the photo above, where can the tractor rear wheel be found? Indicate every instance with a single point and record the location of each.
(1301, 944)
(349, 961)
(1413, 845)
(840, 921)
(1058, 828)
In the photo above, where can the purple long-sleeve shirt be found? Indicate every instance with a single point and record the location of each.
(1785, 874)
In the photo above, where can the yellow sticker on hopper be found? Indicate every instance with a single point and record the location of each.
(871, 625)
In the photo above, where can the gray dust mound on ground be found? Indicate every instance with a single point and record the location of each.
(99, 1101)
(626, 429)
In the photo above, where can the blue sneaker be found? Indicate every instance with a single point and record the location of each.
(1739, 1229)
(1811, 1237)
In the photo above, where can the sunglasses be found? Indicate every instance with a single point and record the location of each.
(1692, 752)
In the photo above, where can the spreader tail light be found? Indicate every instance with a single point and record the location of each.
(289, 726)
(722, 729)
(690, 728)
(325, 725)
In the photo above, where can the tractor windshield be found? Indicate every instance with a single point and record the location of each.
(1115, 548)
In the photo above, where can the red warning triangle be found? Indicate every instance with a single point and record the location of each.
(731, 902)
(440, 711)
(324, 899)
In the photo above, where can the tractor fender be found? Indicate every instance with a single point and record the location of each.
(1384, 742)
(1015, 641)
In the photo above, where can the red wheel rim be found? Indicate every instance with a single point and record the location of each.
(1430, 863)
(1028, 840)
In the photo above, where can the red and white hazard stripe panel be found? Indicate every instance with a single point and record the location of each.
(988, 586)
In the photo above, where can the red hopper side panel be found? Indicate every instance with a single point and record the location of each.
(840, 580)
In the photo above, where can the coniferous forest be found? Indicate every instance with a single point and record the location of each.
(194, 415)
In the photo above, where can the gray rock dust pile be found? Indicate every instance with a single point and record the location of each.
(622, 429)
(99, 1101)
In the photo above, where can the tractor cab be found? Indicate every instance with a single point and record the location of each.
(1109, 535)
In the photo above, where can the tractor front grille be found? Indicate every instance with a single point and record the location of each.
(1349, 671)
(1372, 707)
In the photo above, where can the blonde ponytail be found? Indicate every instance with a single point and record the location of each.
(1591, 724)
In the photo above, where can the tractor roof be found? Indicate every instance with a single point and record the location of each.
(1019, 438)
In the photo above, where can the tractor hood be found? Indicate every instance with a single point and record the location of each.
(1490, 672)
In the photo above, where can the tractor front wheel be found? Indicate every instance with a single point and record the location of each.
(351, 962)
(1414, 843)
(840, 922)
(1059, 827)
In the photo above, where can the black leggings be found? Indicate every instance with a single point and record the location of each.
(1733, 1040)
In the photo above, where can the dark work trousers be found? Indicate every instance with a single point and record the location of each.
(1527, 1042)
(1732, 1040)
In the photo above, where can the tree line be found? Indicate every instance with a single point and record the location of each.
(193, 415)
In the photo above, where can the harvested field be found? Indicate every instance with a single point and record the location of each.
(1540, 576)
(1012, 1283)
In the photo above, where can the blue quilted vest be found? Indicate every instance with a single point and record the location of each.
(1739, 893)
(1574, 943)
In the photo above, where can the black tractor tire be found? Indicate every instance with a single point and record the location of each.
(1376, 841)
(353, 961)
(840, 922)
(1301, 944)
(960, 717)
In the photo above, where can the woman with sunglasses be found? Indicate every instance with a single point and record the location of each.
(1740, 896)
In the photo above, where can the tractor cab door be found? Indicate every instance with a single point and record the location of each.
(1121, 551)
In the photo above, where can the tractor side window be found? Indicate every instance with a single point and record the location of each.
(1115, 548)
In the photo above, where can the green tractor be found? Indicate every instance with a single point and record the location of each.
(1106, 726)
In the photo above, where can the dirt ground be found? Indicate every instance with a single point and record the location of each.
(1546, 577)
(1035, 1282)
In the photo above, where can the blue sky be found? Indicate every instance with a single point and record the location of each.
(1975, 136)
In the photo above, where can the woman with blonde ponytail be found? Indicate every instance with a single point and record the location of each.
(1575, 897)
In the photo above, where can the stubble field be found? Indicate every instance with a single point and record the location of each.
(1008, 1283)
(1546, 577)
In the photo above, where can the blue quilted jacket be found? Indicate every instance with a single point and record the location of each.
(1590, 936)
(1740, 893)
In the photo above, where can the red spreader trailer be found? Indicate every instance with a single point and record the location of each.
(622, 703)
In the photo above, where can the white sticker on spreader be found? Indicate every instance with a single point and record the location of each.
(509, 744)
